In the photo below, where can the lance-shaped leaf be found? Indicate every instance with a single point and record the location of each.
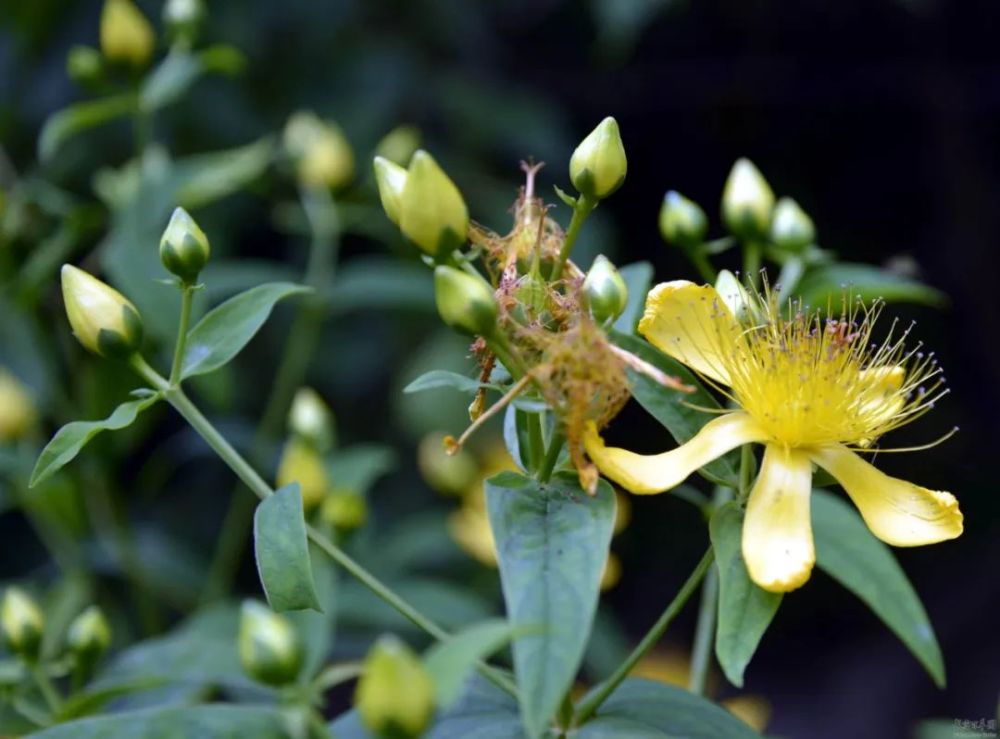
(847, 551)
(226, 329)
(73, 437)
(552, 545)
(282, 549)
(442, 378)
(75, 119)
(745, 610)
(452, 661)
(203, 721)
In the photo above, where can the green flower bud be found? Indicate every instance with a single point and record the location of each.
(682, 221)
(184, 248)
(310, 418)
(450, 474)
(22, 623)
(270, 650)
(345, 510)
(183, 20)
(17, 409)
(84, 64)
(322, 154)
(465, 302)
(399, 144)
(734, 295)
(747, 201)
(432, 213)
(391, 179)
(791, 229)
(597, 167)
(88, 637)
(395, 694)
(607, 293)
(126, 36)
(103, 320)
(301, 462)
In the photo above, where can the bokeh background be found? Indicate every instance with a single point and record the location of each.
(880, 117)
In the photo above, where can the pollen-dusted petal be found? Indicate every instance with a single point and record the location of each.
(881, 399)
(654, 473)
(777, 533)
(692, 324)
(897, 512)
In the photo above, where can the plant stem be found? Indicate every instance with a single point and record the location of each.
(751, 262)
(583, 208)
(700, 260)
(746, 468)
(704, 633)
(187, 297)
(551, 456)
(587, 708)
(47, 689)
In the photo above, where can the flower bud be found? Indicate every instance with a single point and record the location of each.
(103, 320)
(597, 167)
(88, 637)
(17, 410)
(301, 462)
(345, 510)
(450, 474)
(747, 201)
(183, 20)
(395, 694)
(22, 623)
(399, 145)
(126, 36)
(320, 151)
(607, 293)
(311, 419)
(432, 213)
(269, 647)
(465, 302)
(84, 64)
(734, 295)
(391, 179)
(791, 229)
(682, 221)
(184, 248)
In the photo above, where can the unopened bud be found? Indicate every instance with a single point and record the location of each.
(103, 320)
(399, 144)
(269, 647)
(322, 154)
(747, 201)
(22, 622)
(395, 694)
(17, 409)
(607, 293)
(391, 179)
(345, 510)
(791, 229)
(88, 637)
(184, 248)
(301, 462)
(597, 167)
(450, 474)
(465, 302)
(183, 20)
(432, 213)
(310, 418)
(126, 36)
(734, 295)
(84, 64)
(682, 221)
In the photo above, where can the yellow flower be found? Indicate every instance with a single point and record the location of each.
(322, 154)
(103, 319)
(814, 392)
(126, 35)
(302, 463)
(17, 411)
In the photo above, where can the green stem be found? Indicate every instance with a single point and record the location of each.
(583, 208)
(701, 263)
(701, 653)
(551, 456)
(187, 297)
(746, 469)
(587, 708)
(751, 262)
(35, 714)
(47, 689)
(536, 446)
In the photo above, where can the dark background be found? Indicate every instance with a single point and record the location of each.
(879, 117)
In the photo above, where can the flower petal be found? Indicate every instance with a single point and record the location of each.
(692, 324)
(897, 512)
(881, 400)
(654, 473)
(777, 533)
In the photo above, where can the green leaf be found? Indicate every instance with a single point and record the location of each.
(226, 329)
(205, 178)
(357, 467)
(638, 277)
(552, 545)
(847, 551)
(645, 708)
(667, 406)
(745, 610)
(169, 81)
(282, 549)
(451, 661)
(73, 437)
(70, 121)
(442, 378)
(205, 722)
(828, 283)
(92, 701)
